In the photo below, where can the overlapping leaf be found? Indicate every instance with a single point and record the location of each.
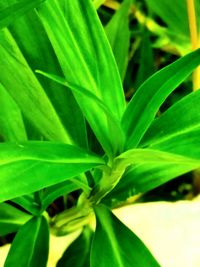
(14, 10)
(32, 166)
(11, 219)
(118, 33)
(31, 241)
(142, 108)
(119, 246)
(86, 48)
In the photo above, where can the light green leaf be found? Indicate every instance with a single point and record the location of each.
(21, 83)
(78, 253)
(11, 122)
(53, 192)
(144, 105)
(144, 177)
(28, 203)
(15, 10)
(32, 40)
(32, 166)
(83, 47)
(31, 241)
(119, 246)
(11, 219)
(93, 100)
(118, 33)
(178, 129)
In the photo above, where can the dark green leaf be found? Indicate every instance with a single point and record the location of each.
(78, 253)
(32, 166)
(11, 219)
(31, 245)
(115, 245)
(152, 93)
(19, 80)
(73, 48)
(15, 10)
(178, 129)
(118, 33)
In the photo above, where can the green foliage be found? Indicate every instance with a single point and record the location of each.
(113, 239)
(67, 135)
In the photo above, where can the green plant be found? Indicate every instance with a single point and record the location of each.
(66, 127)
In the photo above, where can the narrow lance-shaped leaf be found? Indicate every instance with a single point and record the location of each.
(33, 42)
(53, 192)
(78, 253)
(21, 83)
(72, 47)
(93, 100)
(31, 241)
(118, 33)
(32, 166)
(15, 10)
(119, 246)
(11, 219)
(11, 122)
(177, 130)
(143, 106)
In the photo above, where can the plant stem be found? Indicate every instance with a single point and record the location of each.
(194, 39)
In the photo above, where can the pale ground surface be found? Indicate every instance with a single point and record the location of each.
(170, 230)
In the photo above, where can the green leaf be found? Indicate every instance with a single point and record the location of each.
(11, 219)
(32, 40)
(53, 192)
(92, 100)
(31, 242)
(15, 10)
(31, 166)
(11, 122)
(118, 33)
(152, 93)
(85, 46)
(178, 129)
(78, 253)
(28, 203)
(22, 85)
(144, 177)
(146, 62)
(119, 246)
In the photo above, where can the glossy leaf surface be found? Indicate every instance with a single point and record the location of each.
(19, 80)
(11, 219)
(15, 10)
(11, 123)
(32, 166)
(85, 46)
(78, 253)
(31, 241)
(177, 129)
(152, 93)
(115, 245)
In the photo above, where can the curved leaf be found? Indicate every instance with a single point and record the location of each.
(178, 129)
(119, 246)
(31, 241)
(144, 105)
(15, 10)
(78, 253)
(85, 46)
(11, 219)
(32, 166)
